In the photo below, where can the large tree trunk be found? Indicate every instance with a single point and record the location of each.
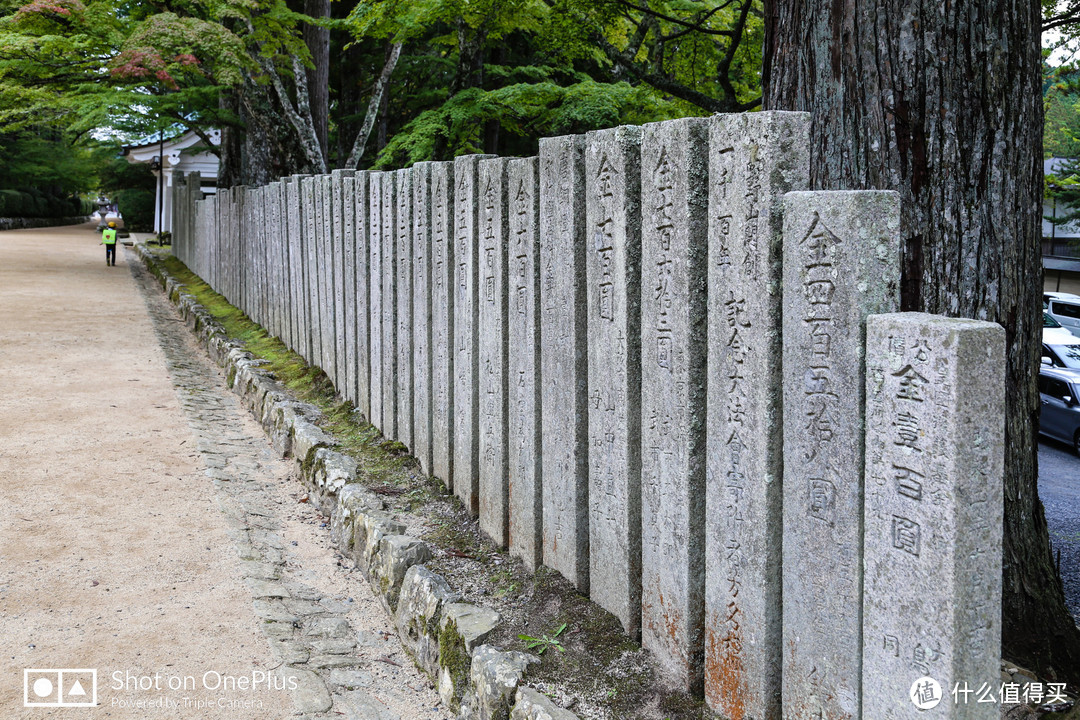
(942, 102)
(317, 40)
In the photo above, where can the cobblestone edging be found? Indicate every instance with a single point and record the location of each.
(25, 223)
(444, 636)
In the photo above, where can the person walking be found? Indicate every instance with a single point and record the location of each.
(108, 239)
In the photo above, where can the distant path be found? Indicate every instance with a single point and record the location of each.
(1059, 490)
(115, 552)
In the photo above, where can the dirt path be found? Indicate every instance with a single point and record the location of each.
(115, 553)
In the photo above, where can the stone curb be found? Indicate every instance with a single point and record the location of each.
(444, 636)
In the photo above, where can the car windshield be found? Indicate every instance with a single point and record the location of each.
(1069, 354)
(1049, 322)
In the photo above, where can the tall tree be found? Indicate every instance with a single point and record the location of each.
(943, 103)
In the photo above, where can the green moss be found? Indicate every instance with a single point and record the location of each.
(230, 376)
(454, 658)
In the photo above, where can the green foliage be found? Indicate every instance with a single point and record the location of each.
(544, 642)
(137, 208)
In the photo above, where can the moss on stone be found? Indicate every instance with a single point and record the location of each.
(454, 658)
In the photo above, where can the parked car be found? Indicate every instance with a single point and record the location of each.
(1065, 308)
(1059, 394)
(1054, 333)
(1063, 355)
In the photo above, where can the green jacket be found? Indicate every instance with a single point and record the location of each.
(109, 236)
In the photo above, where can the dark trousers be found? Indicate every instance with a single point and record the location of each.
(110, 253)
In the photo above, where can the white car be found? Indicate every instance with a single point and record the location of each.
(1065, 308)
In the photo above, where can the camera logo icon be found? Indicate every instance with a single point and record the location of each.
(56, 687)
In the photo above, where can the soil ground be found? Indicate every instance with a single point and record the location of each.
(114, 552)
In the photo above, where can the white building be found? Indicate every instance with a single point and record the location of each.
(184, 153)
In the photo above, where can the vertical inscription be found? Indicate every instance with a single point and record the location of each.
(403, 239)
(362, 252)
(442, 326)
(563, 362)
(933, 510)
(613, 262)
(389, 307)
(838, 248)
(523, 406)
(340, 238)
(375, 295)
(674, 176)
(347, 354)
(753, 160)
(422, 318)
(494, 476)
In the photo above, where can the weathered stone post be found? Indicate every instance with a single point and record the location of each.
(388, 423)
(494, 489)
(309, 322)
(340, 241)
(613, 271)
(841, 263)
(523, 411)
(674, 250)
(442, 321)
(362, 253)
(375, 294)
(348, 274)
(466, 348)
(294, 224)
(753, 160)
(563, 361)
(421, 307)
(403, 240)
(326, 289)
(935, 392)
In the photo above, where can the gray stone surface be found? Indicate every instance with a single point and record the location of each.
(442, 321)
(388, 422)
(294, 248)
(403, 240)
(523, 364)
(674, 236)
(753, 160)
(613, 274)
(474, 622)
(563, 368)
(466, 347)
(375, 294)
(369, 530)
(348, 290)
(492, 336)
(309, 321)
(340, 242)
(531, 705)
(495, 678)
(397, 553)
(419, 612)
(935, 392)
(362, 253)
(421, 310)
(841, 263)
(326, 289)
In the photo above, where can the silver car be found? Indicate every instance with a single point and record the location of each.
(1059, 392)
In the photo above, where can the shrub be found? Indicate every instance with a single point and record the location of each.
(137, 209)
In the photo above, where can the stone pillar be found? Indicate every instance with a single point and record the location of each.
(310, 338)
(442, 322)
(375, 294)
(340, 239)
(494, 490)
(403, 238)
(347, 354)
(327, 289)
(421, 319)
(935, 391)
(523, 362)
(388, 424)
(674, 242)
(563, 362)
(754, 158)
(841, 263)
(294, 223)
(362, 253)
(466, 398)
(613, 271)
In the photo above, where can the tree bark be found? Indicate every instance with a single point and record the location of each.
(376, 107)
(317, 40)
(943, 103)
